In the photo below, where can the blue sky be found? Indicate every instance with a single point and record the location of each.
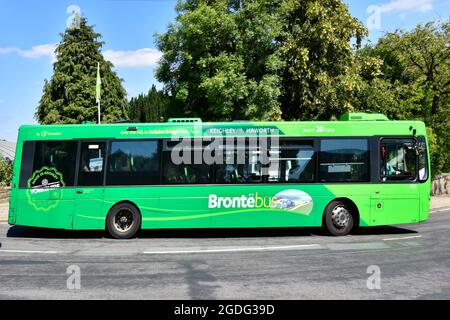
(29, 30)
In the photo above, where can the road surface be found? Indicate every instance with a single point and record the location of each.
(401, 262)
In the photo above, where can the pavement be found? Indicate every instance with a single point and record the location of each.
(391, 262)
(4, 207)
(438, 203)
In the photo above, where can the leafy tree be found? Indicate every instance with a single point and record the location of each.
(70, 96)
(320, 72)
(6, 168)
(148, 108)
(413, 82)
(260, 59)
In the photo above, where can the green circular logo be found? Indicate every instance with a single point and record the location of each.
(46, 181)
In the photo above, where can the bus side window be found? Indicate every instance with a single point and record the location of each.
(133, 162)
(91, 164)
(296, 162)
(344, 160)
(58, 157)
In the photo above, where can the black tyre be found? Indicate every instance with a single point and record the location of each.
(123, 221)
(338, 218)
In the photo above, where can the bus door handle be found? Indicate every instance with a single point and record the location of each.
(79, 191)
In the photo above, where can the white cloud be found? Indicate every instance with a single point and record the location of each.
(145, 57)
(43, 50)
(403, 6)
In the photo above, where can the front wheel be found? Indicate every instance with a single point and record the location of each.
(338, 219)
(123, 221)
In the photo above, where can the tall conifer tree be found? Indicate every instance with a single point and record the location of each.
(70, 95)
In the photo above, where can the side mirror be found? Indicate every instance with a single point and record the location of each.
(420, 147)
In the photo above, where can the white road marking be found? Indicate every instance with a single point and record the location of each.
(292, 247)
(27, 251)
(403, 238)
(358, 246)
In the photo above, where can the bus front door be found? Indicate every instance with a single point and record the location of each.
(89, 194)
(396, 198)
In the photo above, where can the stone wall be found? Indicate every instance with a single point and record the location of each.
(4, 195)
(441, 185)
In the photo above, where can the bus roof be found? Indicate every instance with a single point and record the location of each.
(348, 125)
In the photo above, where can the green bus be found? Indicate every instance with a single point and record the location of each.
(363, 170)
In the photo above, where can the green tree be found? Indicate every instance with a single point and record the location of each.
(260, 59)
(148, 108)
(412, 81)
(6, 168)
(320, 78)
(69, 96)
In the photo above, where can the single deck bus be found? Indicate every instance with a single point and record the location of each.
(363, 170)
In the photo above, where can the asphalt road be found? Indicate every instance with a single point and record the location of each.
(412, 261)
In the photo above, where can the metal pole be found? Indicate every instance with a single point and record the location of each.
(98, 109)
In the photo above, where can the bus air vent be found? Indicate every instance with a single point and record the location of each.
(363, 117)
(184, 120)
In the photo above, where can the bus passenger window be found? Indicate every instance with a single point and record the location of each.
(55, 155)
(295, 162)
(185, 173)
(344, 160)
(91, 164)
(134, 162)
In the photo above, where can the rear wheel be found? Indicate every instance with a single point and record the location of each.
(338, 219)
(123, 221)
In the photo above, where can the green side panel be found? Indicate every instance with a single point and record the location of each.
(425, 198)
(222, 206)
(395, 204)
(12, 214)
(190, 207)
(89, 208)
(12, 206)
(52, 208)
(184, 207)
(359, 194)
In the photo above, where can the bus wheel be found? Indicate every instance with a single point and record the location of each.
(338, 219)
(123, 221)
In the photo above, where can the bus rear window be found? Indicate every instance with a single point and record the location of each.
(52, 161)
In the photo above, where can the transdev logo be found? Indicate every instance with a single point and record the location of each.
(291, 200)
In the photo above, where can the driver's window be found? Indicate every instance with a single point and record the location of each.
(423, 159)
(398, 159)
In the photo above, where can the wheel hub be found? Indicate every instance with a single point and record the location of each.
(340, 216)
(123, 220)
